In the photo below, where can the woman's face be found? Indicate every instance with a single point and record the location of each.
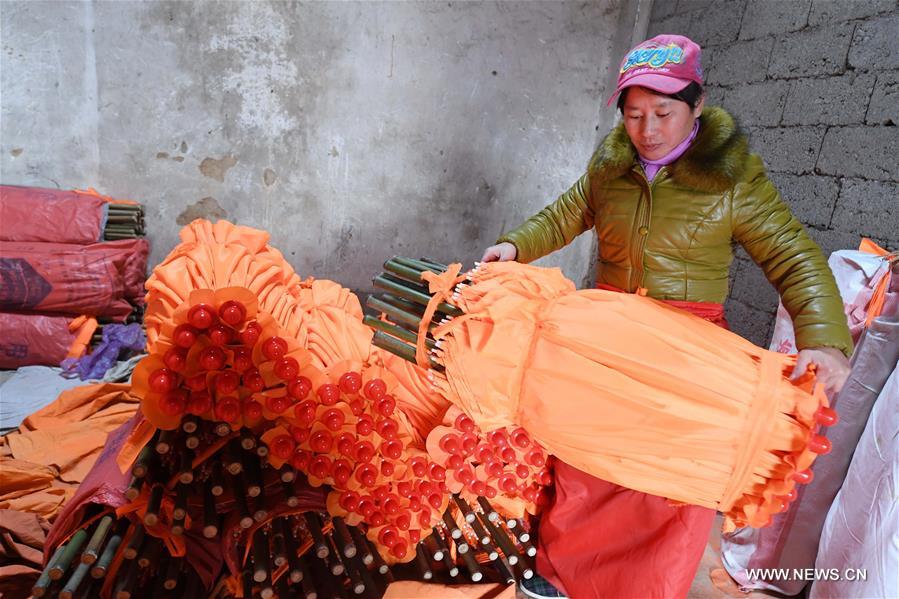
(657, 124)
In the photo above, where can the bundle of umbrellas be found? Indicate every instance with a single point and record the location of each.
(621, 386)
(313, 456)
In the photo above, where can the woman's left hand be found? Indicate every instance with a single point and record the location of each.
(832, 367)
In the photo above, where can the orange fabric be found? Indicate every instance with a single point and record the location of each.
(869, 247)
(30, 487)
(55, 447)
(85, 327)
(650, 548)
(580, 369)
(22, 536)
(101, 405)
(175, 544)
(216, 256)
(133, 445)
(875, 306)
(441, 288)
(90, 191)
(334, 329)
(77, 322)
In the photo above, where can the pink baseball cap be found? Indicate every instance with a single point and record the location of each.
(665, 63)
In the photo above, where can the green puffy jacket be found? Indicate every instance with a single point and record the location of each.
(673, 236)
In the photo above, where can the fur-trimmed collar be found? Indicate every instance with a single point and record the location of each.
(713, 163)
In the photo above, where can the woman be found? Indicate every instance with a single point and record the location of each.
(667, 191)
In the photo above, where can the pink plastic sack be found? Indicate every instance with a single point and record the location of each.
(51, 215)
(33, 340)
(99, 279)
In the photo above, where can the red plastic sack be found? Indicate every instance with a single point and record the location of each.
(98, 279)
(137, 252)
(34, 339)
(105, 486)
(52, 215)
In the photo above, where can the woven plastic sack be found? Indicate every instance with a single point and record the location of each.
(861, 534)
(50, 215)
(861, 276)
(99, 279)
(38, 339)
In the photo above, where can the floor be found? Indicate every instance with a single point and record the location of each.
(712, 580)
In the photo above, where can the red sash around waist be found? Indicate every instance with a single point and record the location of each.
(711, 311)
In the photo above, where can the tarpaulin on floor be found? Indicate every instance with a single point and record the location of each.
(42, 464)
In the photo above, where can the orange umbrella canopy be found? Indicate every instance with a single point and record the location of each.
(629, 389)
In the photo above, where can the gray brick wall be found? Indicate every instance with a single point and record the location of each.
(815, 84)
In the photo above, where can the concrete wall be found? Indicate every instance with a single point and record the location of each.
(816, 84)
(350, 131)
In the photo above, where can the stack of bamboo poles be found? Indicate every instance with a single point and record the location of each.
(476, 534)
(124, 221)
(235, 493)
(403, 304)
(79, 567)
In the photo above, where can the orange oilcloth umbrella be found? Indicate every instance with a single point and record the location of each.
(628, 389)
(320, 315)
(216, 256)
(235, 336)
(424, 407)
(334, 329)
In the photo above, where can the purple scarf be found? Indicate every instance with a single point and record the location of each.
(651, 167)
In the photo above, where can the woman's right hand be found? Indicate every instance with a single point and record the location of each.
(501, 252)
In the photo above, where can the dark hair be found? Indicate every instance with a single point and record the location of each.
(690, 94)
